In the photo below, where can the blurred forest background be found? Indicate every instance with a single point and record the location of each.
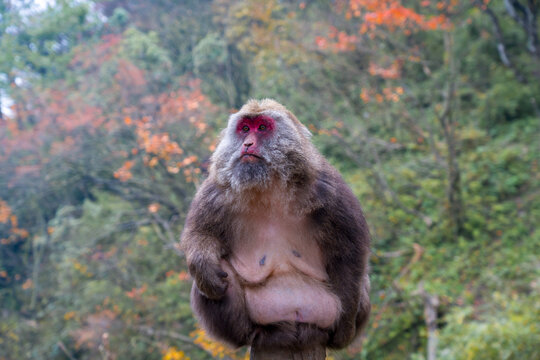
(111, 108)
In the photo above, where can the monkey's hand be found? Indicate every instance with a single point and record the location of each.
(209, 277)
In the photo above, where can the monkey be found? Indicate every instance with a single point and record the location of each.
(276, 242)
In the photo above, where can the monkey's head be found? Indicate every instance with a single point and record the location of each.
(263, 142)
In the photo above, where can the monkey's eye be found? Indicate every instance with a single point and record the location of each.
(245, 128)
(262, 127)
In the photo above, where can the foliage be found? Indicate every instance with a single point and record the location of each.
(110, 110)
(510, 331)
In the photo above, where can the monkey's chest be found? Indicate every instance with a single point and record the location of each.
(283, 272)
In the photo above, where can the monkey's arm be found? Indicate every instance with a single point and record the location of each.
(345, 237)
(203, 241)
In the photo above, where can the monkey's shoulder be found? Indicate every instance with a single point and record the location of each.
(339, 210)
(207, 212)
(209, 191)
(331, 189)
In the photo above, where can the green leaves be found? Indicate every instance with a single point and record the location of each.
(508, 330)
(117, 107)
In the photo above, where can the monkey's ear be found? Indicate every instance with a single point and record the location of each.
(302, 129)
(223, 133)
(305, 132)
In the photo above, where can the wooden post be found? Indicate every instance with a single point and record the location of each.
(317, 353)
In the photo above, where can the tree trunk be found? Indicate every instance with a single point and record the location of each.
(317, 353)
(431, 302)
(453, 191)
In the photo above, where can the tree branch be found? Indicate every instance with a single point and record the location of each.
(501, 48)
(431, 303)
(167, 236)
(527, 20)
(453, 191)
(65, 350)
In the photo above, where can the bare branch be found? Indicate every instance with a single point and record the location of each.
(170, 334)
(167, 235)
(525, 16)
(501, 48)
(392, 254)
(65, 350)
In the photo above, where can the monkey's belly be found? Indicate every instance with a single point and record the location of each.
(292, 297)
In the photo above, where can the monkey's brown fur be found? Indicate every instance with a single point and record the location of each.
(294, 181)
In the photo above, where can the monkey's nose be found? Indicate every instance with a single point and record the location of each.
(248, 144)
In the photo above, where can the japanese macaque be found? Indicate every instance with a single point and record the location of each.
(275, 240)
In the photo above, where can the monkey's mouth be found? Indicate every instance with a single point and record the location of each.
(246, 157)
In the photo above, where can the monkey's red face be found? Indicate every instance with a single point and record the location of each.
(254, 131)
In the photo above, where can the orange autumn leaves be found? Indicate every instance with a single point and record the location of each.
(155, 145)
(382, 18)
(337, 41)
(173, 353)
(10, 219)
(51, 125)
(155, 148)
(393, 15)
(5, 212)
(392, 93)
(215, 349)
(124, 172)
(393, 71)
(136, 293)
(388, 14)
(15, 234)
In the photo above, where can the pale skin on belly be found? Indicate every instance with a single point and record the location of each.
(281, 268)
